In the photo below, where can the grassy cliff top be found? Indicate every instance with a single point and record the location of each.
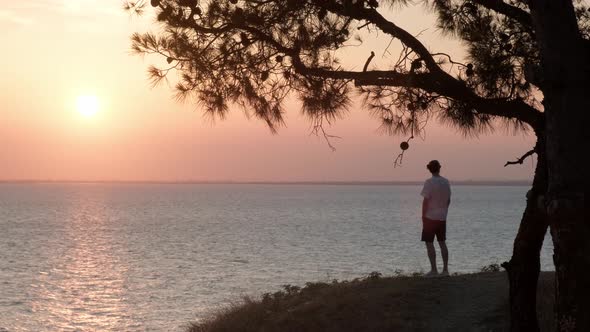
(470, 302)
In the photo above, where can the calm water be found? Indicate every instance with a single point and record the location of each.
(83, 257)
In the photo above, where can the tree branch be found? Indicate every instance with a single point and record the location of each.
(319, 129)
(370, 15)
(450, 59)
(368, 61)
(508, 10)
(521, 159)
(437, 80)
(514, 109)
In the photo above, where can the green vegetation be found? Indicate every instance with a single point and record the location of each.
(401, 303)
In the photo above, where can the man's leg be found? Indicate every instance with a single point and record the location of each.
(431, 257)
(444, 252)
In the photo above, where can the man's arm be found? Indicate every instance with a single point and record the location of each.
(426, 194)
(449, 202)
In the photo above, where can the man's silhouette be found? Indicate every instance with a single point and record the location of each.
(437, 198)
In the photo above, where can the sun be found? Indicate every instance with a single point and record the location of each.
(87, 105)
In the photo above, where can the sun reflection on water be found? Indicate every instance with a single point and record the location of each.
(87, 284)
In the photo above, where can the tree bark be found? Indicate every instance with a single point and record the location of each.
(566, 63)
(524, 266)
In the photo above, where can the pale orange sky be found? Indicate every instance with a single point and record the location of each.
(56, 50)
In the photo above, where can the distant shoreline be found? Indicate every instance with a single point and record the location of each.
(326, 183)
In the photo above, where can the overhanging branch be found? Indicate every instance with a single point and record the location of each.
(508, 10)
(430, 82)
(435, 80)
(372, 16)
(521, 160)
(439, 81)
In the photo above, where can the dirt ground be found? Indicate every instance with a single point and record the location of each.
(467, 303)
(476, 302)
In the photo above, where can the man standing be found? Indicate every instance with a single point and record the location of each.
(437, 198)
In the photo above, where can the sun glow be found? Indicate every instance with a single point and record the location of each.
(87, 105)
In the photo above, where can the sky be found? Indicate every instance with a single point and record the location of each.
(55, 51)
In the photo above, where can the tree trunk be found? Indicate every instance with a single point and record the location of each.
(524, 266)
(570, 230)
(566, 63)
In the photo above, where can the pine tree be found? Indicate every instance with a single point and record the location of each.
(527, 67)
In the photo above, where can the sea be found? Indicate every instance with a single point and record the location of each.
(154, 257)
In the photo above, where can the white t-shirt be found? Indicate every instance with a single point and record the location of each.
(438, 192)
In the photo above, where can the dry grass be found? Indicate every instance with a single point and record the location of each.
(374, 303)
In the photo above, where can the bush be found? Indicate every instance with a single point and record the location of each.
(494, 267)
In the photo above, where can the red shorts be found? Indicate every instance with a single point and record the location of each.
(430, 228)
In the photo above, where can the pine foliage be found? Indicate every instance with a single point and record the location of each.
(257, 53)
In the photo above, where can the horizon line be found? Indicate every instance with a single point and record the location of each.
(305, 182)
